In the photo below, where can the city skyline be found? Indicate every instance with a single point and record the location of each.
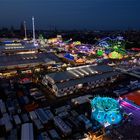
(71, 14)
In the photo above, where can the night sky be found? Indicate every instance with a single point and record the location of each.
(72, 14)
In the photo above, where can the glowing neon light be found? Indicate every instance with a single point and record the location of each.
(106, 110)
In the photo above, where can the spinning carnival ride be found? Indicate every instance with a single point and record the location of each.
(84, 48)
(106, 110)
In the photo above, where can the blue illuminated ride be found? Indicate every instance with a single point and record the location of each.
(69, 56)
(106, 110)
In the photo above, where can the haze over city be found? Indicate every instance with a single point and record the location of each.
(72, 14)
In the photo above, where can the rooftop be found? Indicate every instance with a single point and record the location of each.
(18, 46)
(85, 80)
(24, 59)
(79, 72)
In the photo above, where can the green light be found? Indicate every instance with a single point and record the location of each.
(99, 52)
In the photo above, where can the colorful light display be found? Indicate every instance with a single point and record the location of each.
(77, 43)
(115, 55)
(113, 45)
(106, 110)
(104, 44)
(84, 48)
(80, 60)
(100, 52)
(69, 56)
(52, 40)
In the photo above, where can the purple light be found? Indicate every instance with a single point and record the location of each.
(127, 104)
(84, 48)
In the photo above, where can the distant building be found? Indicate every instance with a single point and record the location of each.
(12, 65)
(15, 46)
(82, 77)
(30, 60)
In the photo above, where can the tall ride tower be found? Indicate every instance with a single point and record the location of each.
(33, 23)
(25, 31)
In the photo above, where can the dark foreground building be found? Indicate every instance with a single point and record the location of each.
(83, 77)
